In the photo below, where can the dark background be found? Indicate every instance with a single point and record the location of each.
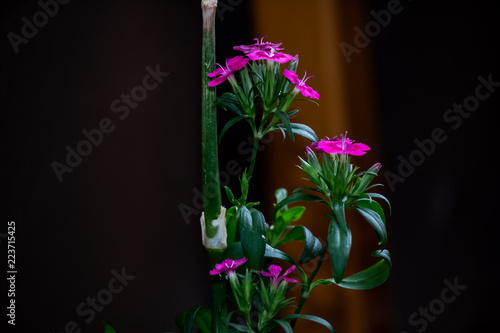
(120, 208)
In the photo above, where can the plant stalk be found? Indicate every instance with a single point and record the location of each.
(306, 288)
(212, 200)
(210, 176)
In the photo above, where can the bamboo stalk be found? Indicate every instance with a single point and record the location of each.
(214, 235)
(210, 175)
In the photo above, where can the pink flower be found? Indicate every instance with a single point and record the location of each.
(232, 65)
(258, 46)
(271, 55)
(340, 146)
(301, 84)
(228, 266)
(274, 272)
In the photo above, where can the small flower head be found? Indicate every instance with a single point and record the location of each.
(274, 272)
(258, 46)
(301, 84)
(344, 145)
(232, 65)
(228, 266)
(270, 55)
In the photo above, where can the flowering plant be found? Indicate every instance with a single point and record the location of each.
(249, 289)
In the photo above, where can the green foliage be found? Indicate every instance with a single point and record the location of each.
(108, 328)
(252, 228)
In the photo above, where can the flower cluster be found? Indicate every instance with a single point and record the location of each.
(267, 299)
(261, 51)
(344, 145)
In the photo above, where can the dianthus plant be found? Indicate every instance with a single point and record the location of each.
(249, 272)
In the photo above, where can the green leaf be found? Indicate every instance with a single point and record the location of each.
(377, 195)
(280, 194)
(293, 214)
(234, 251)
(229, 101)
(285, 325)
(204, 320)
(277, 254)
(108, 328)
(231, 225)
(185, 320)
(368, 203)
(312, 246)
(296, 197)
(368, 278)
(238, 328)
(282, 222)
(339, 244)
(283, 116)
(252, 226)
(375, 220)
(302, 130)
(231, 123)
(315, 319)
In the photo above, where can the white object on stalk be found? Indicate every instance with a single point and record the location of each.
(219, 240)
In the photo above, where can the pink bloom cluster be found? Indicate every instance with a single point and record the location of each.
(264, 51)
(228, 266)
(274, 272)
(344, 145)
(261, 50)
(301, 84)
(232, 65)
(258, 46)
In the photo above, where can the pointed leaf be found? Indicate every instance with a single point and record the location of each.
(277, 254)
(283, 116)
(315, 319)
(285, 325)
(229, 101)
(231, 225)
(374, 219)
(252, 226)
(235, 251)
(230, 123)
(185, 320)
(312, 246)
(369, 278)
(296, 197)
(302, 130)
(339, 245)
(108, 328)
(204, 320)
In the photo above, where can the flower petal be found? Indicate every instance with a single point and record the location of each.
(289, 279)
(275, 270)
(292, 76)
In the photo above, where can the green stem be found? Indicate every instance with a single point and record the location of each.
(254, 155)
(218, 288)
(211, 185)
(210, 166)
(306, 291)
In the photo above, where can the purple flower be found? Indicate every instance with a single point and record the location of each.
(228, 266)
(270, 55)
(232, 65)
(301, 84)
(344, 145)
(274, 272)
(258, 46)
